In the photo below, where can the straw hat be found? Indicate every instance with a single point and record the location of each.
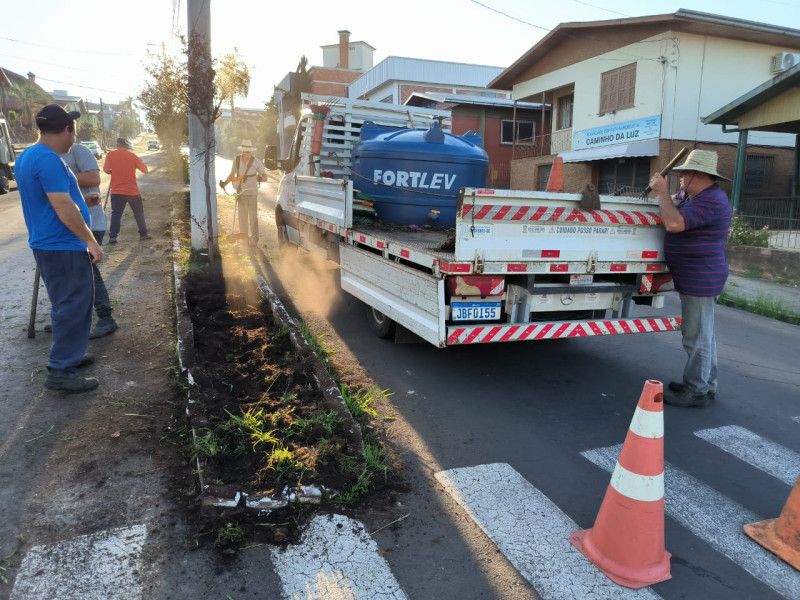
(702, 161)
(246, 146)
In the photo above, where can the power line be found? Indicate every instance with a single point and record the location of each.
(601, 8)
(27, 59)
(103, 53)
(85, 87)
(512, 17)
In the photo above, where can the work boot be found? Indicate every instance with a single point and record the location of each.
(69, 381)
(112, 240)
(87, 360)
(146, 236)
(679, 388)
(103, 327)
(687, 399)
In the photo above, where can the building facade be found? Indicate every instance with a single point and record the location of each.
(627, 94)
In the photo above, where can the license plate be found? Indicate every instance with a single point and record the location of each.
(580, 279)
(475, 311)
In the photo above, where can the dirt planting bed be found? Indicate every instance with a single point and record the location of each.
(272, 448)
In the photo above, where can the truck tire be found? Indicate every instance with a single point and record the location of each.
(280, 224)
(381, 325)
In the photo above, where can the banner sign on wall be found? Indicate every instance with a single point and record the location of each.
(618, 133)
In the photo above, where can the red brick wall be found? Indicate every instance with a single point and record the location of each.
(325, 88)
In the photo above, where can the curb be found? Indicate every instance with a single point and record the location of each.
(186, 361)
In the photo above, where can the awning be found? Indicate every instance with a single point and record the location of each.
(643, 148)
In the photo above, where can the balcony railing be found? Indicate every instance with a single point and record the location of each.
(561, 141)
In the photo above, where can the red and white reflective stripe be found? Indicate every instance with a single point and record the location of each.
(498, 289)
(645, 488)
(368, 240)
(560, 214)
(571, 267)
(454, 267)
(647, 284)
(484, 334)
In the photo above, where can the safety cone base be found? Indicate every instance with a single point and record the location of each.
(763, 532)
(656, 574)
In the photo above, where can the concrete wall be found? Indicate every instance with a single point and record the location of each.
(769, 263)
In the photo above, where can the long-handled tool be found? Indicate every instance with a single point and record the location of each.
(663, 172)
(34, 302)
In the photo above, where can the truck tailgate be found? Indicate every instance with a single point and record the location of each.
(520, 227)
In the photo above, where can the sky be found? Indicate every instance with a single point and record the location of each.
(97, 48)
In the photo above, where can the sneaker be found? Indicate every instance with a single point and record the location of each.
(103, 327)
(87, 360)
(69, 381)
(679, 388)
(112, 240)
(687, 400)
(146, 236)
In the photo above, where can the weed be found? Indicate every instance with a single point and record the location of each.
(317, 342)
(372, 463)
(281, 333)
(228, 534)
(360, 401)
(764, 305)
(284, 462)
(327, 421)
(256, 424)
(206, 445)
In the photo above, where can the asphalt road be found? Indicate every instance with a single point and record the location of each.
(538, 406)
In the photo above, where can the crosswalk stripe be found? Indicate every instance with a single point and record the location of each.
(336, 559)
(774, 459)
(531, 531)
(97, 566)
(715, 519)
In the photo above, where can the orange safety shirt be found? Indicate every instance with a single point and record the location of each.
(122, 165)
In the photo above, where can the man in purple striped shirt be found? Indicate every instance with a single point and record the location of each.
(697, 222)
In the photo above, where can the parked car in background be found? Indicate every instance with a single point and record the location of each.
(94, 147)
(153, 145)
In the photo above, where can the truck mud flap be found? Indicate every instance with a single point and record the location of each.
(412, 298)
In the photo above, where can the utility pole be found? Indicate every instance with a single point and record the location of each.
(198, 13)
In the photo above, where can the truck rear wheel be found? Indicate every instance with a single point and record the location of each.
(380, 324)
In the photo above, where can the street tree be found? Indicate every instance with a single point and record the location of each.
(164, 101)
(232, 79)
(31, 98)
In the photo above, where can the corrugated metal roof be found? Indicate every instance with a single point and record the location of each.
(398, 68)
(474, 100)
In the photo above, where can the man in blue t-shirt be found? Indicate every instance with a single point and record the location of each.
(58, 221)
(697, 221)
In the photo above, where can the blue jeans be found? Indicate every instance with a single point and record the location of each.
(68, 278)
(700, 343)
(118, 202)
(102, 303)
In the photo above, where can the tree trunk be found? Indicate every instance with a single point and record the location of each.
(206, 174)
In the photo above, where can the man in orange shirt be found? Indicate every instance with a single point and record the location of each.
(121, 164)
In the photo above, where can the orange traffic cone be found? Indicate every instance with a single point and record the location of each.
(555, 183)
(781, 536)
(627, 540)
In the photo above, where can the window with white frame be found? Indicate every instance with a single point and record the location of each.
(525, 134)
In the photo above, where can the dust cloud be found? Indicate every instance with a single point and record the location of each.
(313, 281)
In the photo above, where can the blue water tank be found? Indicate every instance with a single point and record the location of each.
(414, 175)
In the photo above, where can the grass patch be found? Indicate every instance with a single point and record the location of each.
(317, 342)
(764, 305)
(230, 533)
(206, 444)
(360, 401)
(371, 465)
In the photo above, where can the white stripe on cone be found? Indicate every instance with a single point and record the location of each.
(717, 520)
(646, 488)
(648, 423)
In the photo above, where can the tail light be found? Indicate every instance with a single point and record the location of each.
(476, 285)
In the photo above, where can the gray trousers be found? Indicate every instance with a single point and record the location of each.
(118, 203)
(248, 215)
(700, 343)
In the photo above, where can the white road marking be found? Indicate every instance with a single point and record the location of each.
(717, 520)
(774, 459)
(532, 533)
(105, 565)
(335, 560)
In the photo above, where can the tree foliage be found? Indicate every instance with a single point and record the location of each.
(165, 102)
(232, 78)
(31, 98)
(88, 128)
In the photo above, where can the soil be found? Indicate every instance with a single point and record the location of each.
(261, 426)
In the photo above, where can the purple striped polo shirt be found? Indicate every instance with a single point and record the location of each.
(696, 256)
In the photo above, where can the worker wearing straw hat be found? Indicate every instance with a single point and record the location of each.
(697, 221)
(246, 172)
